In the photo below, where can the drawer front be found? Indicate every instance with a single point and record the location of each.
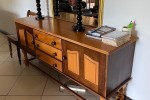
(51, 61)
(49, 50)
(48, 39)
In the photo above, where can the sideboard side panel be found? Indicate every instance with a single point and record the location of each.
(119, 67)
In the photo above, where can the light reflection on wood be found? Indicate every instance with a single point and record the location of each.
(91, 21)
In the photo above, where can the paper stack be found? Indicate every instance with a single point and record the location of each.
(115, 38)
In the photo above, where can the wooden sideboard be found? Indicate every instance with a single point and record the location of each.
(99, 67)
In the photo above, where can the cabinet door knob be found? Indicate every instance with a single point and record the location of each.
(55, 65)
(54, 54)
(32, 42)
(64, 57)
(36, 35)
(37, 45)
(53, 43)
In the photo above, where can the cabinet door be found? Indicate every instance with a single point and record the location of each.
(74, 58)
(22, 37)
(94, 70)
(30, 41)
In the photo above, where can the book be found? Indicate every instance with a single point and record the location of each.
(116, 38)
(99, 31)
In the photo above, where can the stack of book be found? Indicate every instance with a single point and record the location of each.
(98, 32)
(116, 38)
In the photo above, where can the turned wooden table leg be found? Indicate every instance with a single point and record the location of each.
(25, 58)
(121, 93)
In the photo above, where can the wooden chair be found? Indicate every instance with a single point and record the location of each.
(30, 13)
(13, 39)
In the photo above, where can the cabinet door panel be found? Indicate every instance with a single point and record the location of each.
(91, 68)
(73, 61)
(22, 36)
(30, 41)
(94, 70)
(73, 64)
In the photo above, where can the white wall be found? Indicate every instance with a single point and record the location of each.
(119, 13)
(12, 9)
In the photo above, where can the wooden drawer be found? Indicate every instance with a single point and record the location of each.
(49, 50)
(48, 39)
(51, 61)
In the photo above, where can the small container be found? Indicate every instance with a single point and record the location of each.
(126, 29)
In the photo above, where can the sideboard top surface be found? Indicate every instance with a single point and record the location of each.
(63, 29)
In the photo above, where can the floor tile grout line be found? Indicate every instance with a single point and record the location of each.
(22, 71)
(3, 43)
(13, 85)
(44, 87)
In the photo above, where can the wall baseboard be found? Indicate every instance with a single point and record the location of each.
(4, 32)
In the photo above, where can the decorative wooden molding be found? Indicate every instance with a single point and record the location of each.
(91, 70)
(73, 61)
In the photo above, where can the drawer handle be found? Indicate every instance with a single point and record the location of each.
(36, 35)
(37, 45)
(54, 54)
(55, 65)
(53, 43)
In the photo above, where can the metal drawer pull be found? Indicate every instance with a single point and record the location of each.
(55, 65)
(53, 43)
(54, 54)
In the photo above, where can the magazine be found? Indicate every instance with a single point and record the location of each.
(99, 31)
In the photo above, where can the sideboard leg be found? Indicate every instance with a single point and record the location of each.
(25, 58)
(121, 93)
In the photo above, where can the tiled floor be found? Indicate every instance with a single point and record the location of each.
(18, 82)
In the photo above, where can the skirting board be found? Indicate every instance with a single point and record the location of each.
(4, 32)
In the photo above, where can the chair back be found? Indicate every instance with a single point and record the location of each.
(30, 13)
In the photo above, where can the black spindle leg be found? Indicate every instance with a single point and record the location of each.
(56, 10)
(79, 27)
(39, 14)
